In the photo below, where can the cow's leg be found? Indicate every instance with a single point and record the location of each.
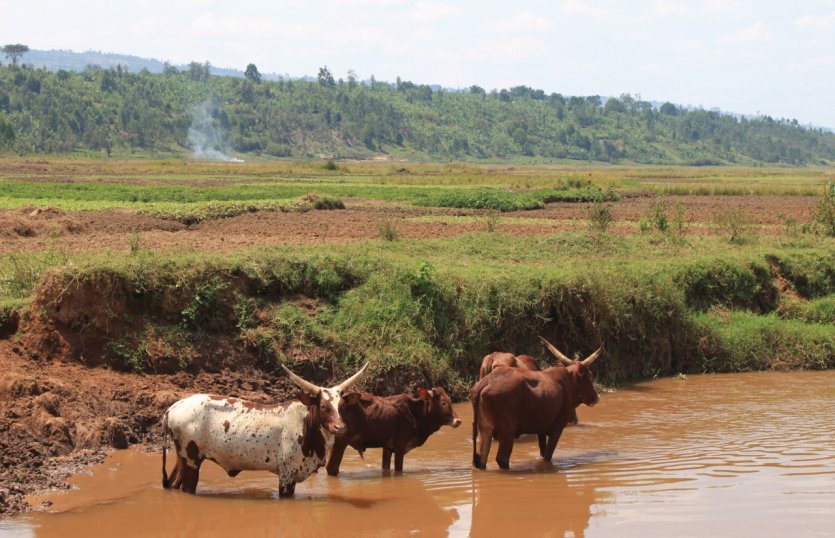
(553, 439)
(335, 458)
(386, 459)
(176, 478)
(286, 490)
(398, 461)
(543, 440)
(505, 448)
(486, 435)
(190, 469)
(191, 475)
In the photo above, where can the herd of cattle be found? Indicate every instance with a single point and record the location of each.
(511, 397)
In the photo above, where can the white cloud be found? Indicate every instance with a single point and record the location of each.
(214, 25)
(725, 7)
(514, 49)
(756, 33)
(816, 21)
(433, 11)
(667, 8)
(524, 21)
(585, 9)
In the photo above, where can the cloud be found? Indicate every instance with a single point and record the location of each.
(515, 49)
(585, 9)
(725, 7)
(524, 21)
(667, 8)
(756, 33)
(214, 25)
(816, 21)
(434, 11)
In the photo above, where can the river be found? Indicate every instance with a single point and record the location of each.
(714, 455)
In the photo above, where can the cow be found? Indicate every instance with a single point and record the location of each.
(289, 439)
(397, 424)
(513, 401)
(501, 359)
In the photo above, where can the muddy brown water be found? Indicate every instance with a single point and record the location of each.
(720, 455)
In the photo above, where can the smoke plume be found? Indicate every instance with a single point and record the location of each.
(207, 139)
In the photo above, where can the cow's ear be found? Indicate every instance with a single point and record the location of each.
(352, 398)
(423, 394)
(306, 398)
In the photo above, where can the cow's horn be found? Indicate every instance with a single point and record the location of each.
(591, 358)
(351, 380)
(306, 386)
(557, 353)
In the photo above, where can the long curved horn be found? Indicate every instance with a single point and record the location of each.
(591, 358)
(306, 386)
(351, 380)
(557, 353)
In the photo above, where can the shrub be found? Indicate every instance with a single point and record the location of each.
(735, 224)
(600, 217)
(387, 229)
(825, 213)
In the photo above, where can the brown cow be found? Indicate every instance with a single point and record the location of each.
(500, 359)
(397, 424)
(513, 401)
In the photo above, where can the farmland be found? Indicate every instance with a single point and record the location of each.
(210, 275)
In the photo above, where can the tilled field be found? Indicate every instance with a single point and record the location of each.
(28, 229)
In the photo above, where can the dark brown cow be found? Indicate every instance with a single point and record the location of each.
(397, 424)
(501, 359)
(513, 401)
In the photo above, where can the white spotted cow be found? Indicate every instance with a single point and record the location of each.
(289, 439)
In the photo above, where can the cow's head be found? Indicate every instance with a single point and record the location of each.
(586, 392)
(439, 406)
(324, 402)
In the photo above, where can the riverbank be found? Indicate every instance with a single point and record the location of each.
(126, 285)
(106, 342)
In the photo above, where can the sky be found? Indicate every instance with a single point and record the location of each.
(750, 57)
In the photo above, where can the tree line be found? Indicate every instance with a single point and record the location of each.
(113, 109)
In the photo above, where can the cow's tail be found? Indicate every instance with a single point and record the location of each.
(476, 395)
(166, 483)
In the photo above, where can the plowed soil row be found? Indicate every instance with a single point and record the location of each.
(116, 230)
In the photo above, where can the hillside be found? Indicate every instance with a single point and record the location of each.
(115, 111)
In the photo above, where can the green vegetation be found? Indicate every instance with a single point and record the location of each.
(427, 311)
(115, 112)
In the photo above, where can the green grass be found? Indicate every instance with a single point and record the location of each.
(425, 312)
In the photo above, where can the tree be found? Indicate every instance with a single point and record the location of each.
(252, 73)
(352, 79)
(325, 77)
(15, 51)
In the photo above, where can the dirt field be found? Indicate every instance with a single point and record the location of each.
(57, 416)
(114, 230)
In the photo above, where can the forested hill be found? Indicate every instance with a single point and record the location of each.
(119, 112)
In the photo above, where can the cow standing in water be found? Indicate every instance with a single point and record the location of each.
(501, 359)
(289, 439)
(511, 401)
(397, 424)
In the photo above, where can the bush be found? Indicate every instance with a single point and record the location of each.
(387, 229)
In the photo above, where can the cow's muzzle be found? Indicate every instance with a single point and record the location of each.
(455, 422)
(337, 429)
